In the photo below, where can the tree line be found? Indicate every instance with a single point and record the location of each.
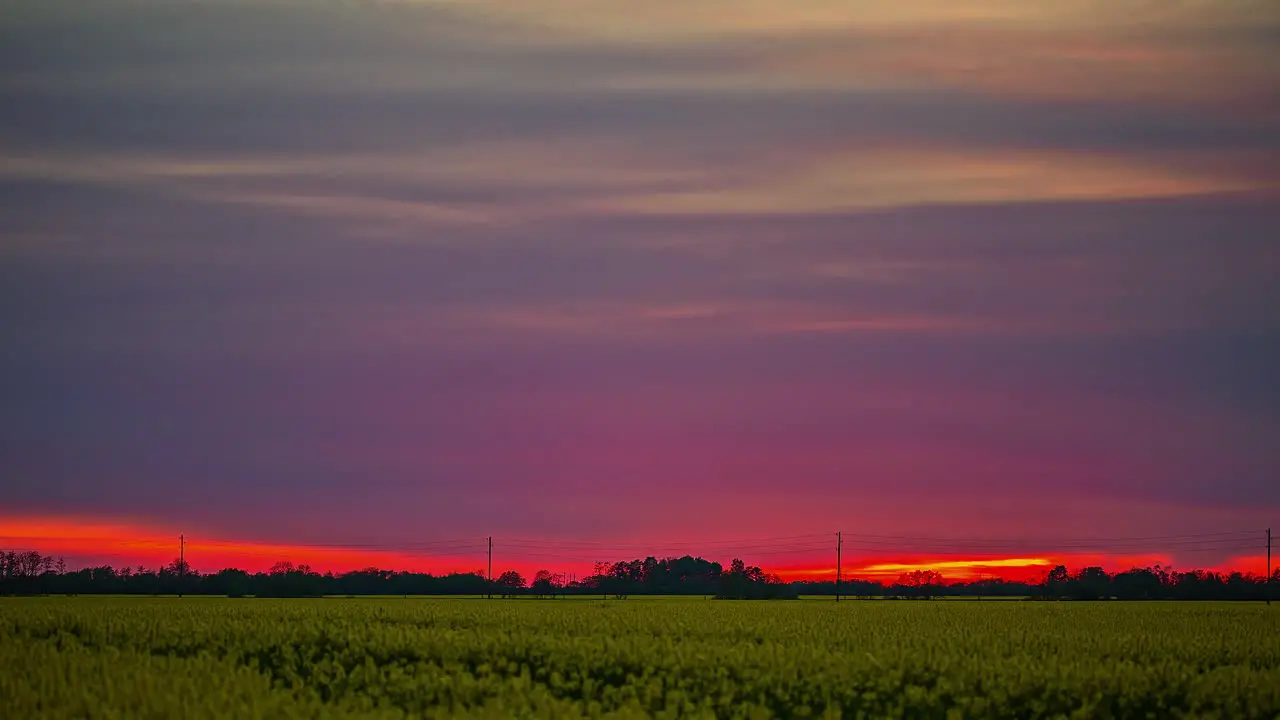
(31, 573)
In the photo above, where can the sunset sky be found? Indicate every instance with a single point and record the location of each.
(984, 285)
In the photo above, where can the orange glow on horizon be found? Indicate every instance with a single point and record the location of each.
(964, 566)
(119, 544)
(1012, 569)
(88, 541)
(1248, 564)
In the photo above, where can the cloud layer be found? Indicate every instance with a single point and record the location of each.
(314, 272)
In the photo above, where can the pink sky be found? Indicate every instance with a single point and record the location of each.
(298, 273)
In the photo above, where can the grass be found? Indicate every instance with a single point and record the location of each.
(681, 657)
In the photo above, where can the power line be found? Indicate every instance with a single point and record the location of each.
(384, 547)
(1136, 543)
(590, 551)
(438, 541)
(656, 550)
(663, 547)
(1194, 551)
(970, 555)
(747, 542)
(788, 542)
(159, 541)
(1050, 540)
(615, 555)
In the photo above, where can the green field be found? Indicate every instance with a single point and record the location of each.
(205, 657)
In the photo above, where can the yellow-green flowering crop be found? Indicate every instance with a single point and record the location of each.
(205, 658)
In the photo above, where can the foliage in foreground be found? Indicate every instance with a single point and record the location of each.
(195, 657)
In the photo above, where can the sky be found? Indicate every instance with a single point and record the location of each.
(370, 281)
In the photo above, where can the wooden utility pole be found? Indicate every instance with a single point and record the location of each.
(839, 548)
(490, 595)
(1268, 566)
(182, 561)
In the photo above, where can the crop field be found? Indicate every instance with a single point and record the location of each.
(205, 657)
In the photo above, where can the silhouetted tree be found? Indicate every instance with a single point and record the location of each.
(1091, 583)
(920, 583)
(230, 582)
(1055, 582)
(286, 580)
(511, 582)
(1137, 584)
(744, 582)
(546, 582)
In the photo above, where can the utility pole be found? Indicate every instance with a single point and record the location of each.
(490, 596)
(182, 561)
(839, 548)
(1268, 567)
